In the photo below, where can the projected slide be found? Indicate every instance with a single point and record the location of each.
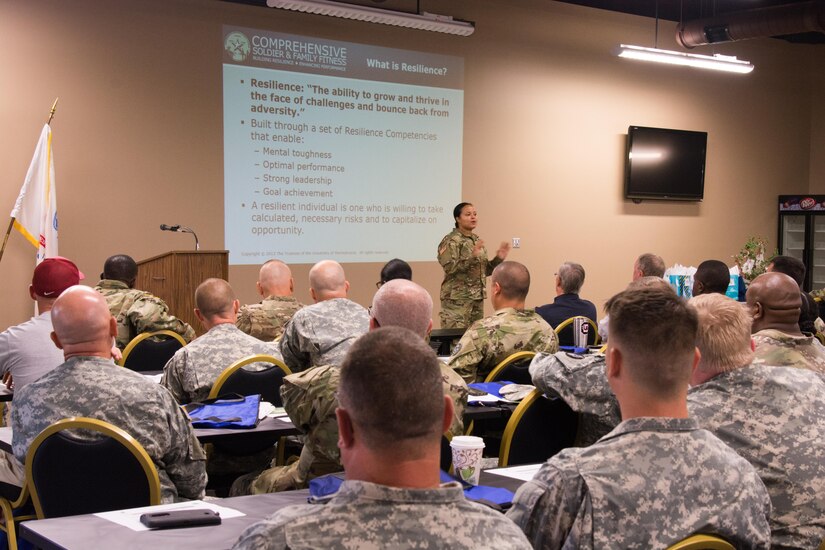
(337, 150)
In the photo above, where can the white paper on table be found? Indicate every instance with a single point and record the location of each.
(5, 434)
(268, 409)
(486, 398)
(524, 473)
(154, 377)
(131, 518)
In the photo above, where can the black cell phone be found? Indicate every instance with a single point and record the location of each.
(180, 518)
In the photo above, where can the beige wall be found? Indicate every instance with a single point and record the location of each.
(138, 133)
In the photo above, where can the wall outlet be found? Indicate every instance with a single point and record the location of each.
(516, 242)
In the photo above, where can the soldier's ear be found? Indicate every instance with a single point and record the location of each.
(259, 289)
(449, 412)
(291, 285)
(112, 328)
(346, 435)
(56, 340)
(757, 311)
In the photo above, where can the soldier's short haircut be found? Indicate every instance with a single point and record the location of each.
(656, 333)
(513, 278)
(396, 269)
(214, 297)
(571, 277)
(120, 267)
(790, 266)
(327, 276)
(651, 265)
(714, 275)
(402, 303)
(391, 386)
(724, 337)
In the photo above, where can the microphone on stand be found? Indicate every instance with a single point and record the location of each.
(180, 229)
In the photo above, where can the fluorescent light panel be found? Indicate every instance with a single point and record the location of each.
(715, 62)
(425, 21)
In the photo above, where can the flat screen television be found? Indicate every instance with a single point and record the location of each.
(665, 164)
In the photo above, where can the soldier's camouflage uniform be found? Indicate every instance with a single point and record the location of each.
(192, 371)
(774, 417)
(647, 484)
(310, 400)
(266, 320)
(138, 311)
(581, 381)
(367, 515)
(778, 349)
(97, 388)
(322, 333)
(465, 279)
(492, 339)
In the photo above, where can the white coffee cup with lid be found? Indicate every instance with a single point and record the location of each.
(467, 451)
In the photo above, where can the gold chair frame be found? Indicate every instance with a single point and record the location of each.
(512, 423)
(702, 542)
(143, 336)
(9, 520)
(103, 428)
(567, 322)
(240, 363)
(509, 360)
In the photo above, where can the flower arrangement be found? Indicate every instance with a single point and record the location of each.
(751, 258)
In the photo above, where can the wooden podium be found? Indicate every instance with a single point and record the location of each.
(174, 276)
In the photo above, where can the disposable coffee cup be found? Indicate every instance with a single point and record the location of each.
(581, 330)
(467, 450)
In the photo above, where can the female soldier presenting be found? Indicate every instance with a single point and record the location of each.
(464, 258)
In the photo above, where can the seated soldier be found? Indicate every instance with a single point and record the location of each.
(90, 384)
(192, 371)
(795, 269)
(321, 334)
(774, 417)
(646, 265)
(657, 478)
(266, 320)
(774, 303)
(390, 446)
(510, 329)
(309, 396)
(136, 311)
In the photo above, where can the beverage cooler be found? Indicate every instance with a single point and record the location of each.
(802, 234)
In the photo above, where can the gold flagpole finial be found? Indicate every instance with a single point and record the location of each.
(51, 113)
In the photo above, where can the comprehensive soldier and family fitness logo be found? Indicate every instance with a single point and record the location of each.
(285, 50)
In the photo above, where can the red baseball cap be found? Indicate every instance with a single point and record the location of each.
(54, 275)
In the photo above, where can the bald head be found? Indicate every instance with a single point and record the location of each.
(403, 303)
(82, 323)
(774, 303)
(327, 281)
(215, 303)
(275, 279)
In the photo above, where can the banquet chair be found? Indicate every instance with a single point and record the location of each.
(539, 428)
(513, 368)
(588, 327)
(13, 512)
(702, 542)
(68, 475)
(267, 382)
(150, 351)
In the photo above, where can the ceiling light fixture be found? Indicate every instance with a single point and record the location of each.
(424, 21)
(716, 62)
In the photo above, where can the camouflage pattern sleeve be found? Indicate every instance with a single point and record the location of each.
(149, 314)
(468, 353)
(291, 348)
(310, 401)
(172, 378)
(546, 507)
(456, 388)
(244, 320)
(185, 461)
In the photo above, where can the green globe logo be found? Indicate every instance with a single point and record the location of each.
(236, 45)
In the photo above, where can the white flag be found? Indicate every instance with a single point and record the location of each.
(35, 212)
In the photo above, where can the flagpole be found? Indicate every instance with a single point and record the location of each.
(11, 220)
